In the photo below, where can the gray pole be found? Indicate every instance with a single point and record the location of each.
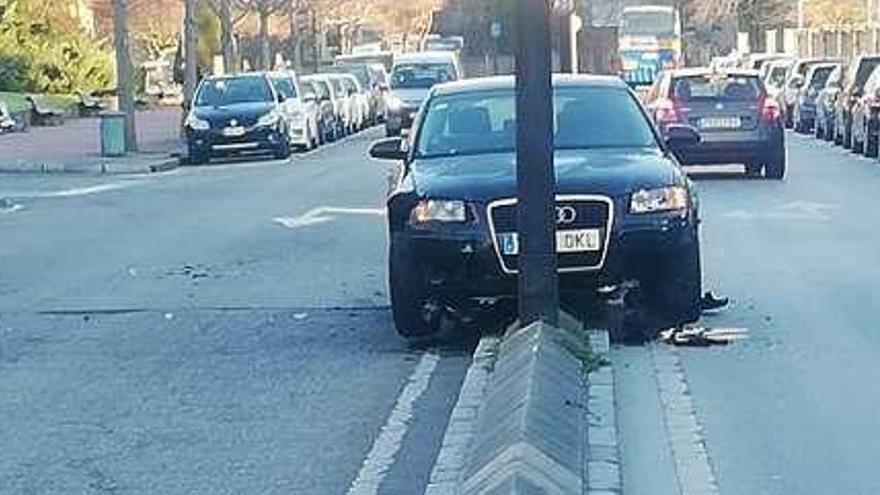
(190, 51)
(536, 182)
(124, 76)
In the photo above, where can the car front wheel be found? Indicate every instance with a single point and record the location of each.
(415, 315)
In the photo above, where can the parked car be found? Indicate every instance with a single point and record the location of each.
(300, 109)
(338, 102)
(625, 210)
(774, 80)
(804, 114)
(360, 101)
(794, 81)
(737, 120)
(236, 114)
(347, 106)
(369, 87)
(412, 77)
(853, 82)
(865, 118)
(380, 78)
(825, 103)
(328, 125)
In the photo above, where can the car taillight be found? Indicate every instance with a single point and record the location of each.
(770, 110)
(666, 112)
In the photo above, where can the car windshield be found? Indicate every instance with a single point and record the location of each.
(485, 122)
(360, 71)
(413, 76)
(717, 87)
(320, 89)
(233, 90)
(284, 86)
(865, 69)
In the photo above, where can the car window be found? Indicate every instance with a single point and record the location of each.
(864, 71)
(820, 77)
(284, 86)
(320, 89)
(485, 122)
(407, 76)
(777, 75)
(714, 87)
(834, 77)
(234, 90)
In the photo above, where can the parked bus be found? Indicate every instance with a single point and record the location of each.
(649, 40)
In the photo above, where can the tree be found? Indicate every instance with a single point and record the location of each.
(265, 9)
(230, 14)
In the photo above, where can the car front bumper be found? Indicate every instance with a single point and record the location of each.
(255, 139)
(464, 264)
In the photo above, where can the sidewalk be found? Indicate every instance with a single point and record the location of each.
(75, 147)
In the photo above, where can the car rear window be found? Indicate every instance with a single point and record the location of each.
(412, 76)
(234, 90)
(717, 87)
(284, 86)
(485, 122)
(820, 77)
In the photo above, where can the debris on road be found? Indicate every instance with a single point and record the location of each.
(702, 336)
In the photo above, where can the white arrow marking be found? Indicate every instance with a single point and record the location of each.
(323, 214)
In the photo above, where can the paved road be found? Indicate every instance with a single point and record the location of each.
(792, 410)
(173, 334)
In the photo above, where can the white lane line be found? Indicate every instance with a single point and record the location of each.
(386, 446)
(73, 192)
(10, 209)
(686, 440)
(323, 214)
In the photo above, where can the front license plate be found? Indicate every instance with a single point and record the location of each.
(233, 131)
(720, 123)
(567, 241)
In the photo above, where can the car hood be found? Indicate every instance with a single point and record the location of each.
(411, 96)
(483, 178)
(244, 113)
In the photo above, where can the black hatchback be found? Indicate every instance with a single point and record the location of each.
(625, 211)
(739, 123)
(236, 114)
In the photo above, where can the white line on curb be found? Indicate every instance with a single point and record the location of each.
(692, 466)
(386, 446)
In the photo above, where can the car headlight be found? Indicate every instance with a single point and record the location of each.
(438, 210)
(270, 119)
(670, 198)
(196, 123)
(395, 103)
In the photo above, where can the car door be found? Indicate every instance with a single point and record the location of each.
(285, 89)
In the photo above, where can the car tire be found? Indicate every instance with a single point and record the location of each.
(774, 166)
(673, 292)
(196, 157)
(847, 136)
(870, 147)
(409, 299)
(283, 150)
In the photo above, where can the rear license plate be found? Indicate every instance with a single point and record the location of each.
(567, 241)
(233, 131)
(720, 123)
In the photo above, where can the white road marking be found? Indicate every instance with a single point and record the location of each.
(795, 210)
(323, 214)
(692, 466)
(10, 209)
(386, 446)
(73, 192)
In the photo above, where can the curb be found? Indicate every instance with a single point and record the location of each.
(528, 420)
(102, 166)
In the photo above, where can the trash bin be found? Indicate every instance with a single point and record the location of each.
(112, 133)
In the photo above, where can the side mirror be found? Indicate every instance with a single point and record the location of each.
(796, 82)
(351, 92)
(388, 149)
(310, 98)
(681, 136)
(281, 98)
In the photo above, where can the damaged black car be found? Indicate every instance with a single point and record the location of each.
(627, 216)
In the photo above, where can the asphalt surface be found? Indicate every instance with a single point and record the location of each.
(168, 334)
(224, 329)
(792, 409)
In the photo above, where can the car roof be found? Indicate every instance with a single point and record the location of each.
(507, 82)
(424, 57)
(649, 8)
(706, 71)
(236, 75)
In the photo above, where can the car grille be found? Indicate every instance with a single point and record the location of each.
(593, 212)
